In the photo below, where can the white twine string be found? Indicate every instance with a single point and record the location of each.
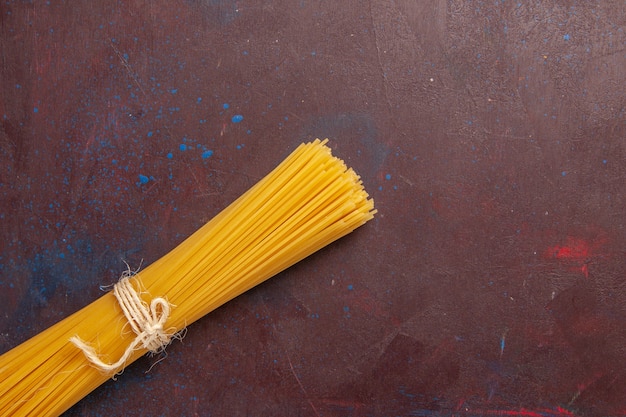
(146, 321)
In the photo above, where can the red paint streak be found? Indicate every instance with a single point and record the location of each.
(574, 249)
(576, 252)
(464, 409)
(522, 412)
(344, 404)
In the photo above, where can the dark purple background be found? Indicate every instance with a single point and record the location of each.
(491, 135)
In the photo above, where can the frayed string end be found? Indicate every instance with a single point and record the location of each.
(146, 320)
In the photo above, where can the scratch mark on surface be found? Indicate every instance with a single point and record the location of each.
(128, 67)
(378, 55)
(291, 368)
(302, 387)
(406, 180)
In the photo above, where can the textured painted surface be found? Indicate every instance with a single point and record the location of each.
(491, 135)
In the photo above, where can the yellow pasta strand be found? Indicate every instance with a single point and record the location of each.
(307, 202)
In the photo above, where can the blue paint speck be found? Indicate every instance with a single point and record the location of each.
(237, 118)
(182, 147)
(170, 155)
(199, 100)
(174, 90)
(566, 37)
(150, 134)
(563, 173)
(36, 110)
(207, 154)
(143, 179)
(350, 287)
(225, 106)
(388, 177)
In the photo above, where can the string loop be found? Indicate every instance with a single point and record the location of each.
(147, 322)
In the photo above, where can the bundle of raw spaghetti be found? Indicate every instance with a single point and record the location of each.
(308, 201)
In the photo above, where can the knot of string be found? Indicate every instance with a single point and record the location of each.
(146, 320)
